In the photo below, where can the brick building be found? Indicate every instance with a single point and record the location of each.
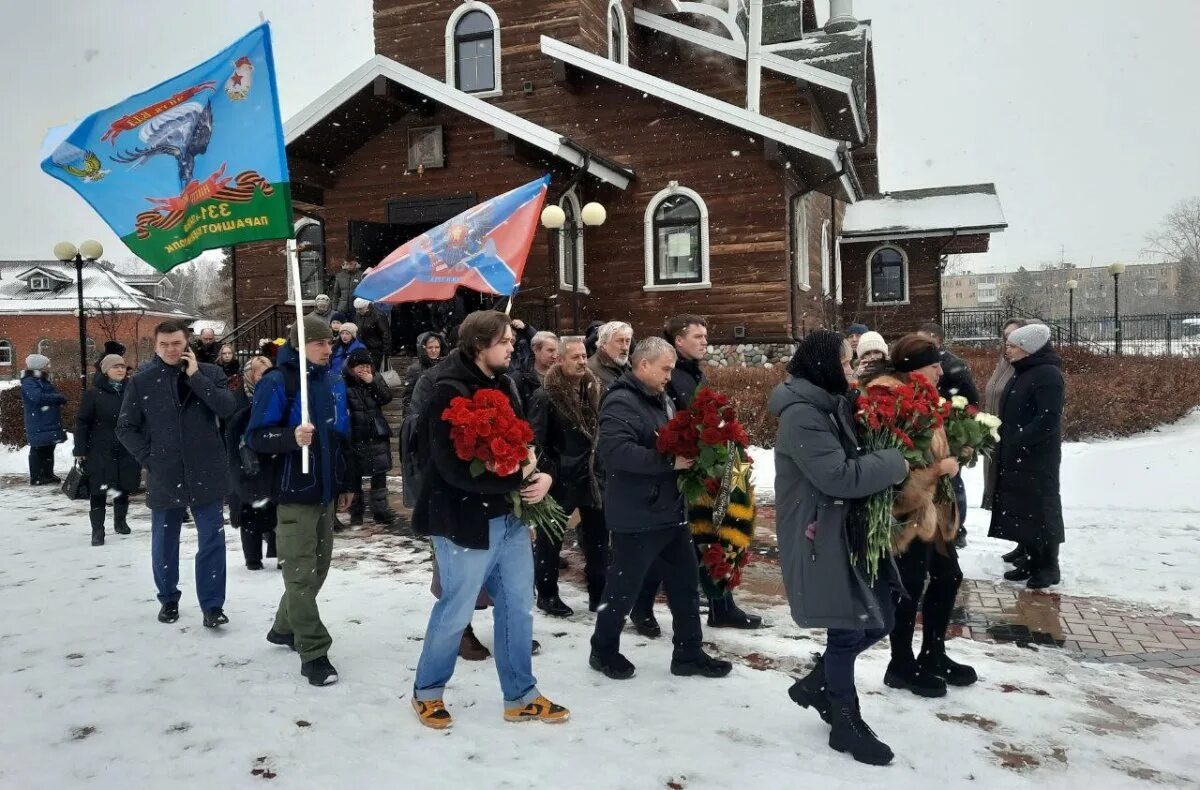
(733, 148)
(39, 313)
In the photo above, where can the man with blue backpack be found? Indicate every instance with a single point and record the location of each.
(306, 502)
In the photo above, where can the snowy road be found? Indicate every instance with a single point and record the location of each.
(98, 694)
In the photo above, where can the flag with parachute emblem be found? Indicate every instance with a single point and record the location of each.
(483, 249)
(195, 163)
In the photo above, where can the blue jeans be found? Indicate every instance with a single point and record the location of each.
(210, 557)
(843, 645)
(505, 568)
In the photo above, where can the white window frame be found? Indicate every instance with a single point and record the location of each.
(837, 271)
(870, 286)
(826, 275)
(577, 239)
(800, 239)
(452, 61)
(648, 241)
(39, 282)
(6, 353)
(624, 59)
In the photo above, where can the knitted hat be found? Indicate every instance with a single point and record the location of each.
(872, 341)
(314, 329)
(359, 356)
(857, 329)
(110, 360)
(361, 303)
(37, 361)
(818, 359)
(349, 327)
(1030, 338)
(322, 298)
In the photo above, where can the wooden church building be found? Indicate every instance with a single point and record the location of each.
(733, 145)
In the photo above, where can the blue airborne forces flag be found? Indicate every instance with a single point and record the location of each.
(193, 164)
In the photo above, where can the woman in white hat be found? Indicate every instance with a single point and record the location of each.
(1026, 505)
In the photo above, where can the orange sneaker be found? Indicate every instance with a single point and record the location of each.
(432, 713)
(541, 709)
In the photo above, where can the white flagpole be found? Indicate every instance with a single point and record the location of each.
(294, 266)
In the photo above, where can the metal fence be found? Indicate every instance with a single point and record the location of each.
(1161, 334)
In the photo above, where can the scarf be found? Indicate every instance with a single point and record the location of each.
(997, 384)
(576, 403)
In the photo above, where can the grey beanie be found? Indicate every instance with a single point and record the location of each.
(361, 304)
(314, 329)
(37, 361)
(110, 360)
(1030, 338)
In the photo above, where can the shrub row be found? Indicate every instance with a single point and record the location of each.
(12, 415)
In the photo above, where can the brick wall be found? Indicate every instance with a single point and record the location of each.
(62, 330)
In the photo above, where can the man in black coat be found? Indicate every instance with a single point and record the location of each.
(431, 349)
(206, 347)
(170, 423)
(565, 415)
(1027, 507)
(647, 516)
(956, 380)
(688, 334)
(374, 330)
(544, 348)
(112, 472)
(476, 538)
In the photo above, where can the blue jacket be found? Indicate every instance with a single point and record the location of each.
(274, 415)
(43, 409)
(340, 353)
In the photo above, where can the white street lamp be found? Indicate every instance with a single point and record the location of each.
(67, 252)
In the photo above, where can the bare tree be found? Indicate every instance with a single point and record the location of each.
(1178, 239)
(109, 318)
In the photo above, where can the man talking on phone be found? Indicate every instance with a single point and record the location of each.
(169, 422)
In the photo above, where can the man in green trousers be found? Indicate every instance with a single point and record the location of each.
(280, 433)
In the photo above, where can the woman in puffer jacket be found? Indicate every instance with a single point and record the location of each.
(924, 547)
(370, 436)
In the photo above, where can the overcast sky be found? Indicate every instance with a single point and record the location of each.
(1081, 111)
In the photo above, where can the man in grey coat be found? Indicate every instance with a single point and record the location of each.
(169, 423)
(344, 283)
(818, 471)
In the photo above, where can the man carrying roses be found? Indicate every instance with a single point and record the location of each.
(476, 538)
(646, 514)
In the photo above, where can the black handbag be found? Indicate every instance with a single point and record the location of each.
(75, 486)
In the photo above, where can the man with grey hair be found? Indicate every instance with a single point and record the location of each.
(647, 516)
(544, 349)
(323, 308)
(611, 359)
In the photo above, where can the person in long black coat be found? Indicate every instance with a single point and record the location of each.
(252, 510)
(112, 470)
(370, 436)
(1027, 507)
(431, 348)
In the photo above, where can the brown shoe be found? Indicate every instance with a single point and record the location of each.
(432, 713)
(541, 709)
(471, 649)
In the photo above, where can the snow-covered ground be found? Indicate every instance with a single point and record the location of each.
(1132, 512)
(98, 694)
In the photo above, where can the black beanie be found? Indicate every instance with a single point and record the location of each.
(359, 356)
(818, 359)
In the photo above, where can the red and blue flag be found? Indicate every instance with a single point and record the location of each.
(483, 249)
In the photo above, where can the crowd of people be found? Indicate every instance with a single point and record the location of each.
(211, 431)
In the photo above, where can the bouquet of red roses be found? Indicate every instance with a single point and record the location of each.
(902, 418)
(489, 434)
(718, 488)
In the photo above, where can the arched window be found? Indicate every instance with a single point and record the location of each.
(6, 353)
(570, 246)
(676, 240)
(45, 347)
(887, 276)
(800, 242)
(618, 38)
(310, 241)
(473, 49)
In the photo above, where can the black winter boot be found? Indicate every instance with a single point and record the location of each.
(554, 606)
(851, 734)
(703, 664)
(381, 511)
(120, 510)
(907, 674)
(809, 691)
(96, 515)
(954, 673)
(1045, 568)
(1014, 556)
(646, 625)
(724, 613)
